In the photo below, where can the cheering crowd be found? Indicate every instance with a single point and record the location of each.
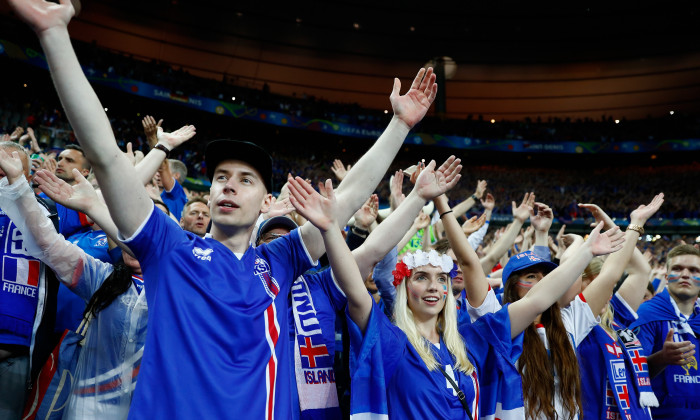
(125, 297)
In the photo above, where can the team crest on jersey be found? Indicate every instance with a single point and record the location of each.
(202, 254)
(262, 270)
(102, 242)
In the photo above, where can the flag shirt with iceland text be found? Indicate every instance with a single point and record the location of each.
(213, 347)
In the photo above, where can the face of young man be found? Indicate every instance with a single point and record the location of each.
(196, 218)
(683, 277)
(237, 195)
(67, 160)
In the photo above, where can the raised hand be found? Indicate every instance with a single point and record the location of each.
(642, 213)
(598, 214)
(414, 170)
(50, 164)
(150, 128)
(432, 183)
(279, 208)
(412, 106)
(473, 224)
(177, 137)
(396, 196)
(367, 214)
(16, 134)
(340, 170)
(317, 208)
(80, 197)
(605, 243)
(522, 212)
(11, 165)
(43, 15)
(542, 220)
(421, 221)
(480, 188)
(489, 202)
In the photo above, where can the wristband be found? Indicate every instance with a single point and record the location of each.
(448, 211)
(362, 233)
(474, 197)
(160, 146)
(636, 228)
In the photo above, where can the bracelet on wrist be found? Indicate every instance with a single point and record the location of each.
(162, 147)
(637, 228)
(359, 231)
(448, 211)
(474, 197)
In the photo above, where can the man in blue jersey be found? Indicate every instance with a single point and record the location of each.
(669, 327)
(214, 313)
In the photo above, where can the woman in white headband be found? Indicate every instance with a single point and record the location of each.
(421, 367)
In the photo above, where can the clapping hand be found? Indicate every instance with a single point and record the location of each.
(414, 104)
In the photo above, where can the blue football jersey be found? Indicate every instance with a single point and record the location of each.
(214, 325)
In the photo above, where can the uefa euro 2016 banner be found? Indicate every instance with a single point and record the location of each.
(233, 110)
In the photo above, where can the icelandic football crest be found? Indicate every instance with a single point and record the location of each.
(262, 270)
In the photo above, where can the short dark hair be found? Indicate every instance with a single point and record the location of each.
(158, 202)
(192, 201)
(86, 162)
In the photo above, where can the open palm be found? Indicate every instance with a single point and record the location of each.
(42, 15)
(80, 197)
(432, 183)
(414, 104)
(316, 208)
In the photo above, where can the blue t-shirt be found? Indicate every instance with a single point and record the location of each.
(175, 200)
(214, 323)
(676, 387)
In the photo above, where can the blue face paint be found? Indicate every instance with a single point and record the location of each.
(673, 277)
(444, 289)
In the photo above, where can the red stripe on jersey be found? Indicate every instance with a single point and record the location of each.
(33, 272)
(582, 297)
(272, 337)
(84, 220)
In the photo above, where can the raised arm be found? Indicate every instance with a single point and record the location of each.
(321, 212)
(464, 206)
(80, 197)
(598, 293)
(126, 197)
(39, 237)
(548, 290)
(429, 184)
(150, 164)
(520, 215)
(476, 285)
(366, 174)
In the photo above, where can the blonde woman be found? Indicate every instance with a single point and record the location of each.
(422, 367)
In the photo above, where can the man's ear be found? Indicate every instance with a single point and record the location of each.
(266, 203)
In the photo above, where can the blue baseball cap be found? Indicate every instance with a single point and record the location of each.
(525, 260)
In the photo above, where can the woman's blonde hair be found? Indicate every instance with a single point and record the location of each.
(606, 321)
(446, 326)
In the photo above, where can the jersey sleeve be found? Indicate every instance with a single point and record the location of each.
(623, 313)
(488, 306)
(381, 346)
(156, 236)
(492, 332)
(578, 319)
(175, 199)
